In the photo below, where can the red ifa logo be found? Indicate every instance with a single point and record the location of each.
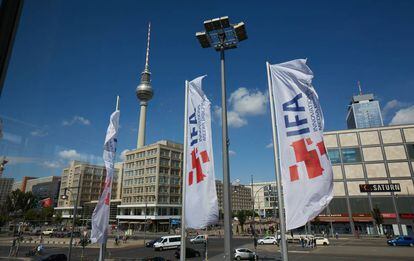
(108, 194)
(310, 158)
(196, 164)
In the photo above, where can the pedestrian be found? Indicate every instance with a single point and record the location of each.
(314, 242)
(116, 239)
(302, 242)
(336, 235)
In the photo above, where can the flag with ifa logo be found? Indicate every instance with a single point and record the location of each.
(200, 202)
(100, 215)
(304, 164)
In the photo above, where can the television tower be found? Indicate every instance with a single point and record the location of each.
(144, 94)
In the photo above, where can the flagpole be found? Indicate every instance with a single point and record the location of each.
(283, 242)
(102, 247)
(183, 176)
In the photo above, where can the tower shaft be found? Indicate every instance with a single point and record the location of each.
(142, 125)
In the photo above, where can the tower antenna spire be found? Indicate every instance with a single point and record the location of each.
(359, 87)
(148, 47)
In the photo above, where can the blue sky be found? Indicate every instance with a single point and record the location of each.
(71, 58)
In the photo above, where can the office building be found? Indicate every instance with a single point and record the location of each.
(383, 155)
(151, 188)
(364, 112)
(22, 184)
(6, 185)
(265, 199)
(241, 196)
(86, 179)
(45, 187)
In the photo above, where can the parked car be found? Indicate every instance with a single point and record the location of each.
(244, 253)
(48, 232)
(189, 253)
(200, 239)
(322, 241)
(401, 241)
(267, 240)
(168, 242)
(152, 242)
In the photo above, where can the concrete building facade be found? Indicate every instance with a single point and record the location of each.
(22, 184)
(45, 187)
(86, 179)
(151, 187)
(6, 185)
(241, 196)
(265, 199)
(383, 155)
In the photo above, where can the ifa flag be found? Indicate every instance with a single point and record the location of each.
(100, 215)
(304, 164)
(200, 202)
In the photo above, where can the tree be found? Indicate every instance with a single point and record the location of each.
(241, 216)
(18, 203)
(376, 215)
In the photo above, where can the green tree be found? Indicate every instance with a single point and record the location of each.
(241, 216)
(376, 215)
(46, 214)
(31, 215)
(18, 203)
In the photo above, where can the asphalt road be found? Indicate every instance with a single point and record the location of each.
(339, 250)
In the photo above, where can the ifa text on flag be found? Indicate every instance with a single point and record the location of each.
(200, 203)
(305, 167)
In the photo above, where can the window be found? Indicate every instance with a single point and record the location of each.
(351, 155)
(410, 150)
(334, 156)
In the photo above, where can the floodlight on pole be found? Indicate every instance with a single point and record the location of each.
(222, 35)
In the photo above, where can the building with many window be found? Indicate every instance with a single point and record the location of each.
(87, 180)
(364, 112)
(241, 196)
(151, 187)
(45, 187)
(265, 199)
(383, 155)
(6, 185)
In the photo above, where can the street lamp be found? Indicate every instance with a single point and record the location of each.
(75, 210)
(221, 35)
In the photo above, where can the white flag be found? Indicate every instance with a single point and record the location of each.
(100, 216)
(201, 207)
(305, 167)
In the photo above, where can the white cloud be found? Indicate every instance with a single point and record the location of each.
(232, 152)
(39, 133)
(243, 103)
(123, 156)
(76, 120)
(52, 164)
(270, 145)
(235, 120)
(403, 116)
(392, 106)
(246, 102)
(69, 154)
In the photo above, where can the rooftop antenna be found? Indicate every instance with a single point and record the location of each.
(148, 47)
(359, 87)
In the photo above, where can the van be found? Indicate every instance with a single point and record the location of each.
(167, 242)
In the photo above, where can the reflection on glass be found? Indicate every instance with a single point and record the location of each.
(351, 155)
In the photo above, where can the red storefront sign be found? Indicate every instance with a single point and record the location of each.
(389, 215)
(407, 215)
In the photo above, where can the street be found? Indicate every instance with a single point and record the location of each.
(342, 249)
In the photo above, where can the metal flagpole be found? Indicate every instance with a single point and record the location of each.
(283, 242)
(184, 174)
(102, 247)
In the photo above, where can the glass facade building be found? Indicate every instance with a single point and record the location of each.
(364, 112)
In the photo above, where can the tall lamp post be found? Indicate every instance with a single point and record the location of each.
(75, 210)
(221, 35)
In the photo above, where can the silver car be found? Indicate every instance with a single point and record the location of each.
(244, 253)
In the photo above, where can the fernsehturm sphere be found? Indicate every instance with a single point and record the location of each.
(144, 94)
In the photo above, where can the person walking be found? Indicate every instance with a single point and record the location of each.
(336, 235)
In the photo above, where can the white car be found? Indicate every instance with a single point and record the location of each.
(322, 241)
(167, 242)
(48, 232)
(200, 239)
(267, 240)
(244, 253)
